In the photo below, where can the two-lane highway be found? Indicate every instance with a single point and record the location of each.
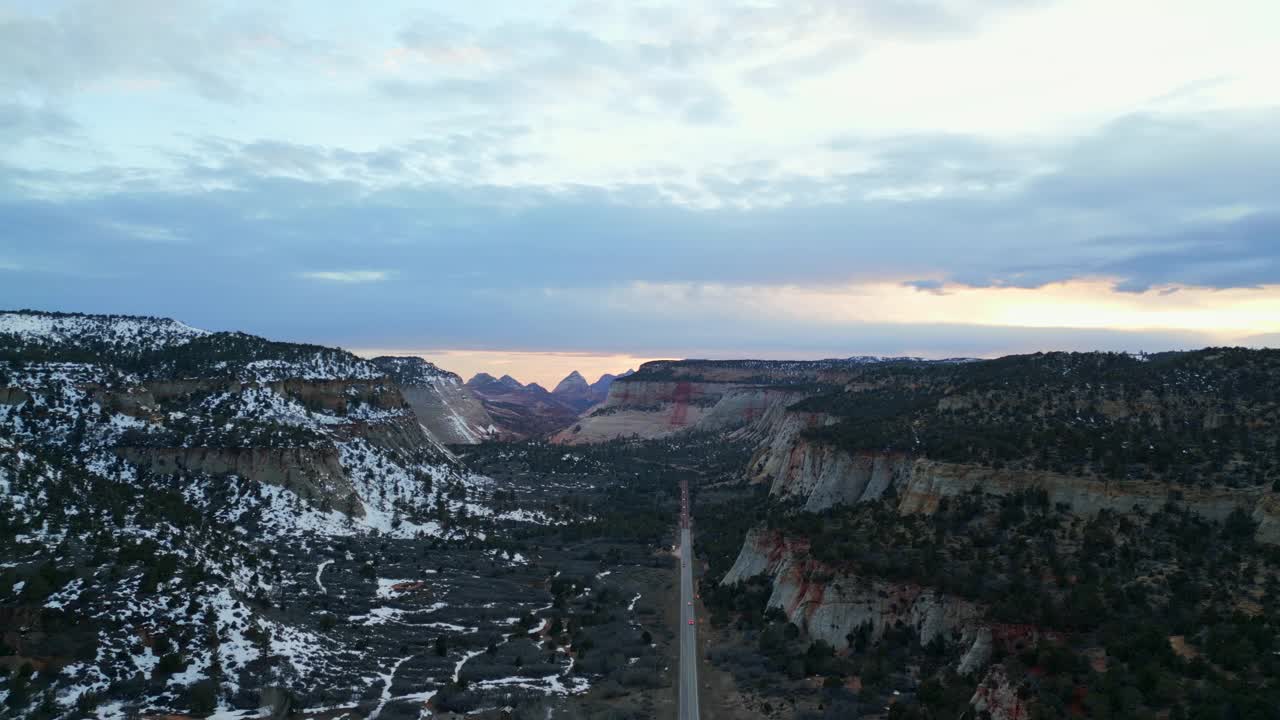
(688, 623)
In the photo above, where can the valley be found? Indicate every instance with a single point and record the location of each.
(217, 525)
(659, 360)
(247, 527)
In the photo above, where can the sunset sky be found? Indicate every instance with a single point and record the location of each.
(526, 188)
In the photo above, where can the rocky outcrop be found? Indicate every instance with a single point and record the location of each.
(928, 482)
(520, 411)
(331, 396)
(13, 396)
(655, 409)
(644, 409)
(746, 406)
(667, 396)
(830, 606)
(451, 413)
(316, 475)
(575, 392)
(1267, 515)
(998, 697)
(820, 475)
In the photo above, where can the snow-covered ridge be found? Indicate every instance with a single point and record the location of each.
(321, 366)
(162, 347)
(118, 332)
(413, 370)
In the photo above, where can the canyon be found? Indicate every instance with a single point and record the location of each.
(949, 536)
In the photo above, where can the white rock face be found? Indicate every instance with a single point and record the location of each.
(995, 695)
(449, 410)
(656, 409)
(831, 606)
(978, 654)
(820, 476)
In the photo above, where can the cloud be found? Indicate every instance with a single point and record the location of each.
(144, 232)
(995, 215)
(92, 41)
(23, 121)
(542, 67)
(921, 18)
(347, 276)
(930, 286)
(518, 175)
(1237, 253)
(806, 64)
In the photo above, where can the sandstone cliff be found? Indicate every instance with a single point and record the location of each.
(829, 606)
(667, 396)
(819, 475)
(655, 409)
(446, 407)
(315, 475)
(330, 414)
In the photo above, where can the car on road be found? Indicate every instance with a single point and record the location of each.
(690, 621)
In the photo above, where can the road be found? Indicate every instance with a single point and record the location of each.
(688, 623)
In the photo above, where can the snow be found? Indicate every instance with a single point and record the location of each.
(116, 331)
(389, 482)
(386, 588)
(145, 662)
(111, 711)
(449, 626)
(299, 647)
(379, 616)
(319, 571)
(66, 595)
(386, 687)
(457, 670)
(321, 366)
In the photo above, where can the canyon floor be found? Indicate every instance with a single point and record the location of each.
(569, 620)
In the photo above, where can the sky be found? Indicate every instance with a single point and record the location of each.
(512, 186)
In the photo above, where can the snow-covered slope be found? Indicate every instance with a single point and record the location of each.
(116, 332)
(158, 485)
(449, 410)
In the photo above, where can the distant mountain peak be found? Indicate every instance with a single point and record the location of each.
(573, 383)
(481, 378)
(510, 381)
(607, 379)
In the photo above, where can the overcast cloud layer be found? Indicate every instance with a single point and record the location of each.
(655, 179)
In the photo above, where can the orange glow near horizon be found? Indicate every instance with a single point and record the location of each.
(1219, 317)
(1226, 315)
(545, 368)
